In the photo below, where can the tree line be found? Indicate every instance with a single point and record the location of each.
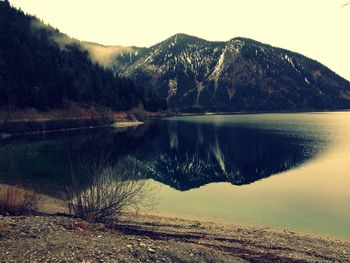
(36, 73)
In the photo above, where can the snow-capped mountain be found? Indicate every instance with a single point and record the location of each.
(193, 74)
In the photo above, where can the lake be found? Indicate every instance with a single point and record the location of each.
(273, 170)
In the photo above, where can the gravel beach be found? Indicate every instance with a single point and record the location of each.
(146, 238)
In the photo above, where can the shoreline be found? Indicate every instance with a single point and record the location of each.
(52, 235)
(122, 124)
(33, 126)
(25, 127)
(253, 112)
(227, 222)
(52, 206)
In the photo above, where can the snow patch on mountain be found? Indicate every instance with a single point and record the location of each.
(172, 88)
(218, 69)
(290, 60)
(200, 88)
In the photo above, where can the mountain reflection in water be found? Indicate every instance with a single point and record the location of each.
(183, 155)
(188, 155)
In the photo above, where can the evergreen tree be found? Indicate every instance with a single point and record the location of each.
(42, 75)
(2, 82)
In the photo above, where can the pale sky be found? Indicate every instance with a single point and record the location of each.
(319, 29)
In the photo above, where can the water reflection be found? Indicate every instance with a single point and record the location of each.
(183, 155)
(190, 155)
(310, 153)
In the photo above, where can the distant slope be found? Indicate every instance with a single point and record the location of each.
(193, 74)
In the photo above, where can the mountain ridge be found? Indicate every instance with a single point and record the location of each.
(241, 74)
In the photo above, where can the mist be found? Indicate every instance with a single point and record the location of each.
(100, 54)
(104, 55)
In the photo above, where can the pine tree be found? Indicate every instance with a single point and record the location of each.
(40, 74)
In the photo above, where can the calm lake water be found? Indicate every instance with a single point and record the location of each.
(279, 170)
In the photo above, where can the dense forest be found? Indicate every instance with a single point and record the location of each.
(35, 72)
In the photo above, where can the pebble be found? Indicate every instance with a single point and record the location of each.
(47, 239)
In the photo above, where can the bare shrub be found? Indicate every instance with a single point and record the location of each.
(17, 201)
(109, 191)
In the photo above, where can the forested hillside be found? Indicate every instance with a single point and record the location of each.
(35, 72)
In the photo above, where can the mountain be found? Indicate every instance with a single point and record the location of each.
(45, 69)
(193, 74)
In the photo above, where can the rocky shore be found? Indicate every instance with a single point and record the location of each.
(136, 238)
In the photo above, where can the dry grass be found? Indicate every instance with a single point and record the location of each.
(139, 114)
(17, 201)
(5, 228)
(74, 111)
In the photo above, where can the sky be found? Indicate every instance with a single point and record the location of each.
(316, 28)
